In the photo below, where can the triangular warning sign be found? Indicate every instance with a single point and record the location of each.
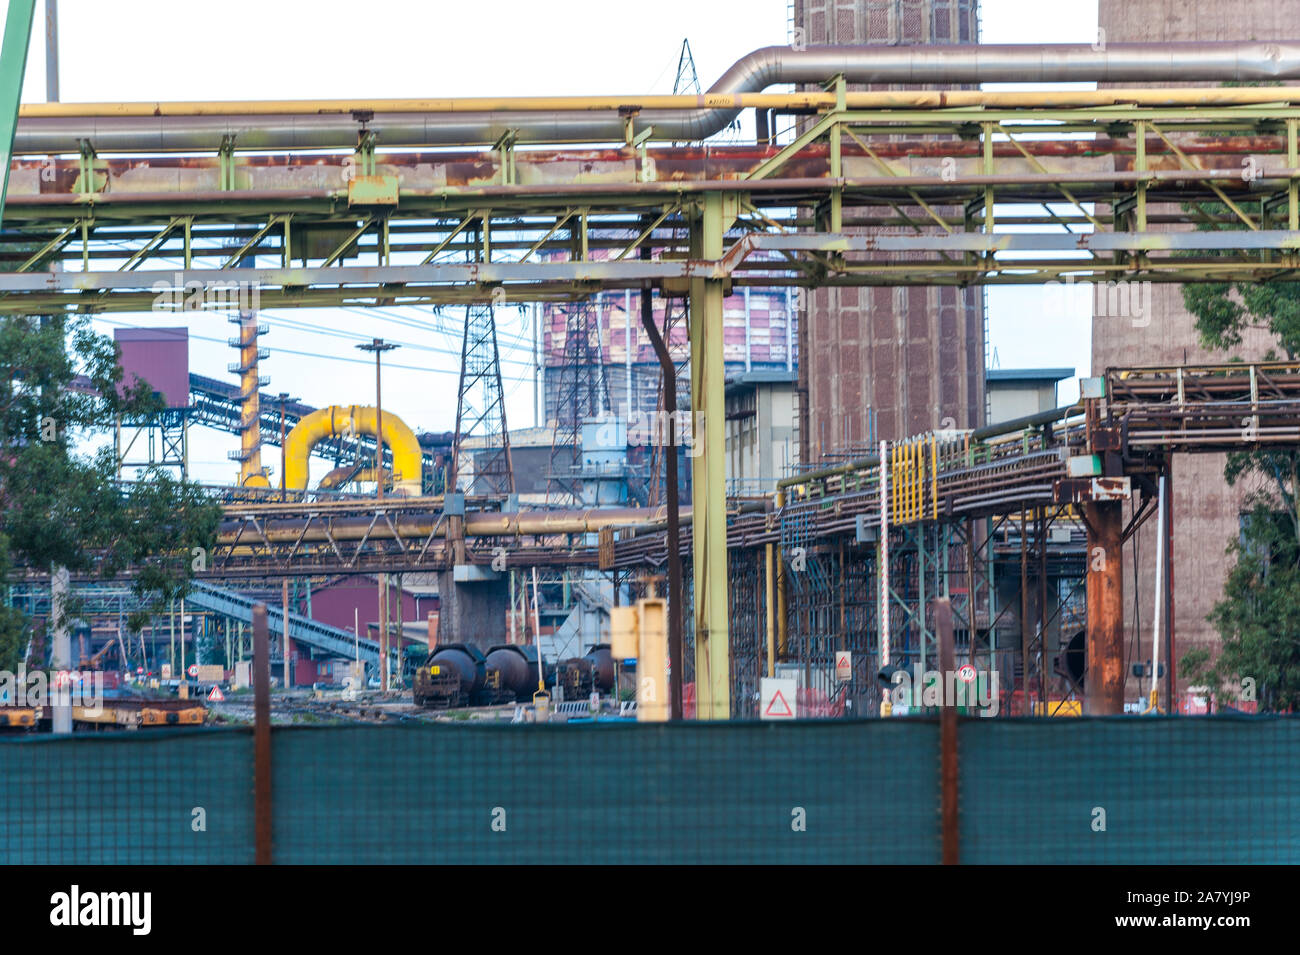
(216, 696)
(782, 710)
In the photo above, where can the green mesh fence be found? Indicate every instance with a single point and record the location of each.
(608, 793)
(1172, 790)
(1215, 790)
(127, 798)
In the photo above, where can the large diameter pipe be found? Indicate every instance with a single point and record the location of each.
(1048, 63)
(523, 523)
(337, 421)
(804, 100)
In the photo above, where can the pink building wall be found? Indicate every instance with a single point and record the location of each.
(335, 605)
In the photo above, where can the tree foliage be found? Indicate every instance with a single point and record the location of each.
(60, 388)
(1259, 615)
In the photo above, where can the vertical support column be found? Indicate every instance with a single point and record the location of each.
(1041, 523)
(401, 653)
(882, 570)
(1171, 664)
(1024, 617)
(708, 472)
(284, 637)
(837, 169)
(13, 63)
(381, 607)
(972, 596)
(261, 736)
(1140, 166)
(770, 567)
(782, 628)
(1105, 587)
(1292, 184)
(986, 141)
(947, 734)
(61, 655)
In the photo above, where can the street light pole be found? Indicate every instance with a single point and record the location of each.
(379, 346)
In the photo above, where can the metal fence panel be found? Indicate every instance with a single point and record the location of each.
(720, 793)
(127, 798)
(1220, 790)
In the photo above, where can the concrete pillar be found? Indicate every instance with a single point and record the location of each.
(61, 655)
(473, 611)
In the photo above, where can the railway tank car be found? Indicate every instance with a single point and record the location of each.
(452, 676)
(459, 674)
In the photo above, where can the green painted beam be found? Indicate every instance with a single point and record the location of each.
(13, 64)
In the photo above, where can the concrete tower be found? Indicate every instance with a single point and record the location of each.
(887, 362)
(1205, 510)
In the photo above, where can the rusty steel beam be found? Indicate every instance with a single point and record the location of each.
(1105, 595)
(261, 736)
(948, 790)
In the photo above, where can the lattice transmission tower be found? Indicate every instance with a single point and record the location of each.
(582, 392)
(481, 408)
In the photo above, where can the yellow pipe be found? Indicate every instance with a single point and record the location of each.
(336, 421)
(918, 480)
(909, 465)
(908, 479)
(911, 481)
(934, 475)
(918, 496)
(909, 99)
(339, 475)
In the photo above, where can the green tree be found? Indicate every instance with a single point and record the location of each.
(1259, 615)
(63, 507)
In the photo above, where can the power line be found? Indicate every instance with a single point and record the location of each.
(318, 355)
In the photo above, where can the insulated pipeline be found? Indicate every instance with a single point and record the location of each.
(304, 129)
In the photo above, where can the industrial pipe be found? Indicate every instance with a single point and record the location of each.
(497, 524)
(979, 434)
(125, 129)
(340, 476)
(1020, 424)
(803, 101)
(336, 421)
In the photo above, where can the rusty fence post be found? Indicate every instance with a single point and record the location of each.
(948, 794)
(261, 737)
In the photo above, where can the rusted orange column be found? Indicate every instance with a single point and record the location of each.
(1105, 679)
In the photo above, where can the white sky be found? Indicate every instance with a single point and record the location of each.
(273, 49)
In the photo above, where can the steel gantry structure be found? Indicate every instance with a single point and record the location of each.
(959, 502)
(395, 203)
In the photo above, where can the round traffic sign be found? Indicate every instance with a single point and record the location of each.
(966, 673)
(193, 669)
